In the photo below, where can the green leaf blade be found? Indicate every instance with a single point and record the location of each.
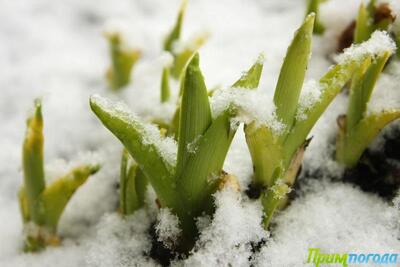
(332, 82)
(359, 138)
(57, 195)
(176, 30)
(251, 78)
(165, 87)
(363, 25)
(32, 162)
(200, 176)
(266, 154)
(133, 185)
(362, 86)
(292, 73)
(195, 111)
(131, 132)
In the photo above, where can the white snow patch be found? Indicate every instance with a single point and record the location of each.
(121, 241)
(167, 227)
(334, 217)
(310, 94)
(251, 105)
(379, 43)
(167, 59)
(227, 240)
(193, 146)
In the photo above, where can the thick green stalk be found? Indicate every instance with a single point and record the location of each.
(266, 154)
(32, 162)
(271, 200)
(292, 73)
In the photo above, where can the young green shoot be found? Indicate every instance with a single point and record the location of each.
(123, 58)
(184, 182)
(181, 52)
(313, 7)
(357, 128)
(277, 155)
(133, 184)
(42, 206)
(372, 17)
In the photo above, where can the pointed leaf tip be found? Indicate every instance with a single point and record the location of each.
(292, 73)
(251, 78)
(195, 61)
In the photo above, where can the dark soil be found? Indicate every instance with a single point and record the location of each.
(159, 251)
(378, 171)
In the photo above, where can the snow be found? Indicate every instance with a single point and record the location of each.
(55, 50)
(379, 43)
(310, 94)
(227, 240)
(250, 105)
(120, 241)
(167, 227)
(167, 59)
(337, 218)
(386, 95)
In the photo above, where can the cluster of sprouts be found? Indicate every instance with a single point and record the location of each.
(183, 160)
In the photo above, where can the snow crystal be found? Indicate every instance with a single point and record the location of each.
(166, 146)
(227, 241)
(167, 227)
(310, 94)
(192, 146)
(380, 42)
(251, 105)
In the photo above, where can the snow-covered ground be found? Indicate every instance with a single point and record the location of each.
(55, 50)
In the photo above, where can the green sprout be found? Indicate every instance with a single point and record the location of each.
(357, 129)
(184, 184)
(165, 87)
(186, 51)
(277, 154)
(42, 206)
(133, 184)
(370, 18)
(123, 59)
(313, 7)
